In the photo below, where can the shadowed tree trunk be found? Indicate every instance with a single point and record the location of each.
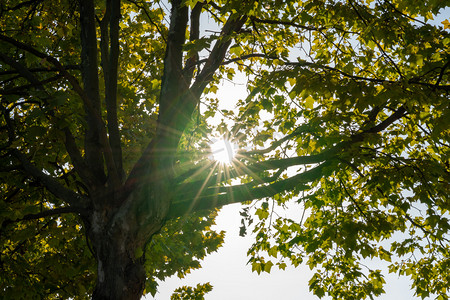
(120, 275)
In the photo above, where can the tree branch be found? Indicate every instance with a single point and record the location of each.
(189, 188)
(78, 162)
(111, 77)
(196, 194)
(441, 74)
(247, 56)
(49, 182)
(18, 90)
(43, 69)
(175, 105)
(177, 101)
(72, 80)
(217, 55)
(374, 80)
(71, 147)
(194, 34)
(376, 41)
(43, 214)
(61, 192)
(243, 193)
(89, 65)
(22, 70)
(22, 4)
(286, 23)
(296, 132)
(150, 19)
(173, 85)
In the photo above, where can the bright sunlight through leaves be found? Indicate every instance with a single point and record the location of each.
(223, 151)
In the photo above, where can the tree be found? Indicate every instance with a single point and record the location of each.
(106, 180)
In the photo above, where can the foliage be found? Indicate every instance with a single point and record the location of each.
(106, 112)
(179, 248)
(187, 292)
(387, 197)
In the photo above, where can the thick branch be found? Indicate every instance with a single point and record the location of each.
(194, 34)
(111, 77)
(175, 106)
(196, 194)
(217, 55)
(325, 155)
(89, 65)
(43, 214)
(189, 189)
(51, 183)
(43, 69)
(242, 193)
(22, 70)
(173, 85)
(79, 164)
(177, 102)
(399, 113)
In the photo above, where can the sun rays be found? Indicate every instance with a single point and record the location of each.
(223, 151)
(215, 179)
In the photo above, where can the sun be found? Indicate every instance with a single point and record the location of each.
(223, 151)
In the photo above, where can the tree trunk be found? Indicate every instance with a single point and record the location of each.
(114, 234)
(119, 274)
(118, 229)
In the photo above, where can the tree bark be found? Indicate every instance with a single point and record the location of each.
(119, 274)
(121, 223)
(113, 234)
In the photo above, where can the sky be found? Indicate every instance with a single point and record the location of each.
(232, 278)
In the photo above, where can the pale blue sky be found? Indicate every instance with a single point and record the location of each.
(232, 278)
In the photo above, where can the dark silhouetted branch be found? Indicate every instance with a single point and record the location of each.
(243, 193)
(50, 183)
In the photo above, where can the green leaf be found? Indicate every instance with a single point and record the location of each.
(268, 266)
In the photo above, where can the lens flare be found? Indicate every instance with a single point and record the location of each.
(223, 151)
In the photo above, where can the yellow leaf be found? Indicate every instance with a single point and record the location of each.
(291, 81)
(446, 24)
(309, 102)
